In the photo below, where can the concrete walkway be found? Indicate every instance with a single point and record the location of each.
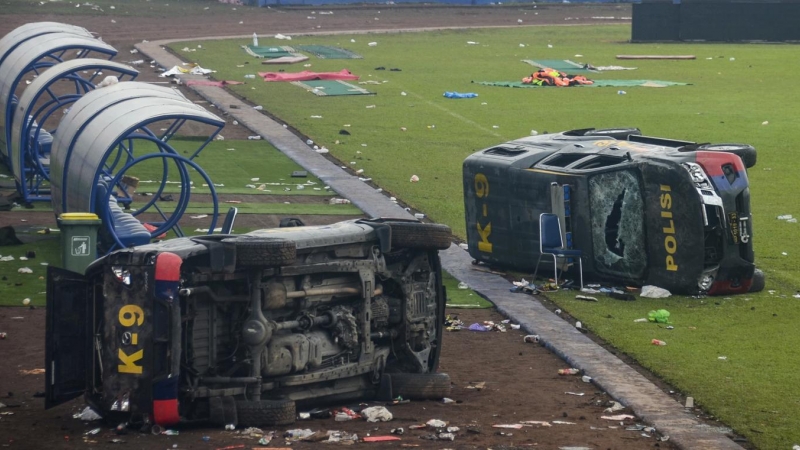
(619, 380)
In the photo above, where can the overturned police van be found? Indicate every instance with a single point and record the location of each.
(240, 329)
(642, 210)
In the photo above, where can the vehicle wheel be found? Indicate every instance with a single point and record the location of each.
(420, 386)
(759, 281)
(222, 411)
(261, 251)
(746, 152)
(616, 133)
(265, 413)
(432, 236)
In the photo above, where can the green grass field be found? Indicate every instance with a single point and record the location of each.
(735, 95)
(16, 286)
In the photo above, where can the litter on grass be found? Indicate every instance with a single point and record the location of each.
(650, 291)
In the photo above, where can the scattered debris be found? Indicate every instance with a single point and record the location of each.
(380, 438)
(618, 417)
(615, 406)
(650, 291)
(345, 414)
(513, 426)
(376, 414)
(436, 423)
(87, 415)
(298, 434)
(658, 316)
(477, 386)
(531, 338)
(537, 422)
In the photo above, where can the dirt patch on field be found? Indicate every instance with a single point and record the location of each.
(519, 382)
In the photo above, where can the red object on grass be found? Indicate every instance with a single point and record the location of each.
(305, 75)
(381, 438)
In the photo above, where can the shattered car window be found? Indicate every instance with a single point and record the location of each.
(617, 214)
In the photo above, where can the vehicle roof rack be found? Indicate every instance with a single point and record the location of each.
(659, 141)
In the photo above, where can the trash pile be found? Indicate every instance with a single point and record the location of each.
(625, 293)
(453, 323)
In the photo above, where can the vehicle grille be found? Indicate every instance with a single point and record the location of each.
(418, 305)
(334, 361)
(714, 234)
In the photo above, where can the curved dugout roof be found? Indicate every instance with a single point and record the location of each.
(81, 115)
(20, 130)
(99, 140)
(30, 30)
(39, 52)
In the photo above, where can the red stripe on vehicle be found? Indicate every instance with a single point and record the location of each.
(168, 267)
(165, 412)
(712, 162)
(724, 287)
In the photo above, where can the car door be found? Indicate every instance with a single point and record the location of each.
(68, 345)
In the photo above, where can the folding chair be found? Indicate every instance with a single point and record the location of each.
(552, 243)
(227, 225)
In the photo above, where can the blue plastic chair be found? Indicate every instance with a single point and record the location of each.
(552, 243)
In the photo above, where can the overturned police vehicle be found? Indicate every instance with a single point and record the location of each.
(239, 329)
(640, 210)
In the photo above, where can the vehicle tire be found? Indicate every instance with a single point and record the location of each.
(420, 386)
(616, 133)
(431, 236)
(262, 251)
(265, 413)
(746, 152)
(759, 281)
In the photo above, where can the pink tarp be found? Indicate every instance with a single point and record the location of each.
(305, 75)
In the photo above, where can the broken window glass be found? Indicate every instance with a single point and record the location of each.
(617, 215)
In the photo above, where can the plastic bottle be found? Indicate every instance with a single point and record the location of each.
(255, 40)
(658, 342)
(570, 371)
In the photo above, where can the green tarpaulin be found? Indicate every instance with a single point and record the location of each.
(328, 52)
(562, 65)
(331, 87)
(269, 52)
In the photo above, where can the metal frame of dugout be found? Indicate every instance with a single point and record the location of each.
(33, 55)
(103, 136)
(30, 30)
(31, 142)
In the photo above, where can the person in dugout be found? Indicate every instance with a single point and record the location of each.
(551, 77)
